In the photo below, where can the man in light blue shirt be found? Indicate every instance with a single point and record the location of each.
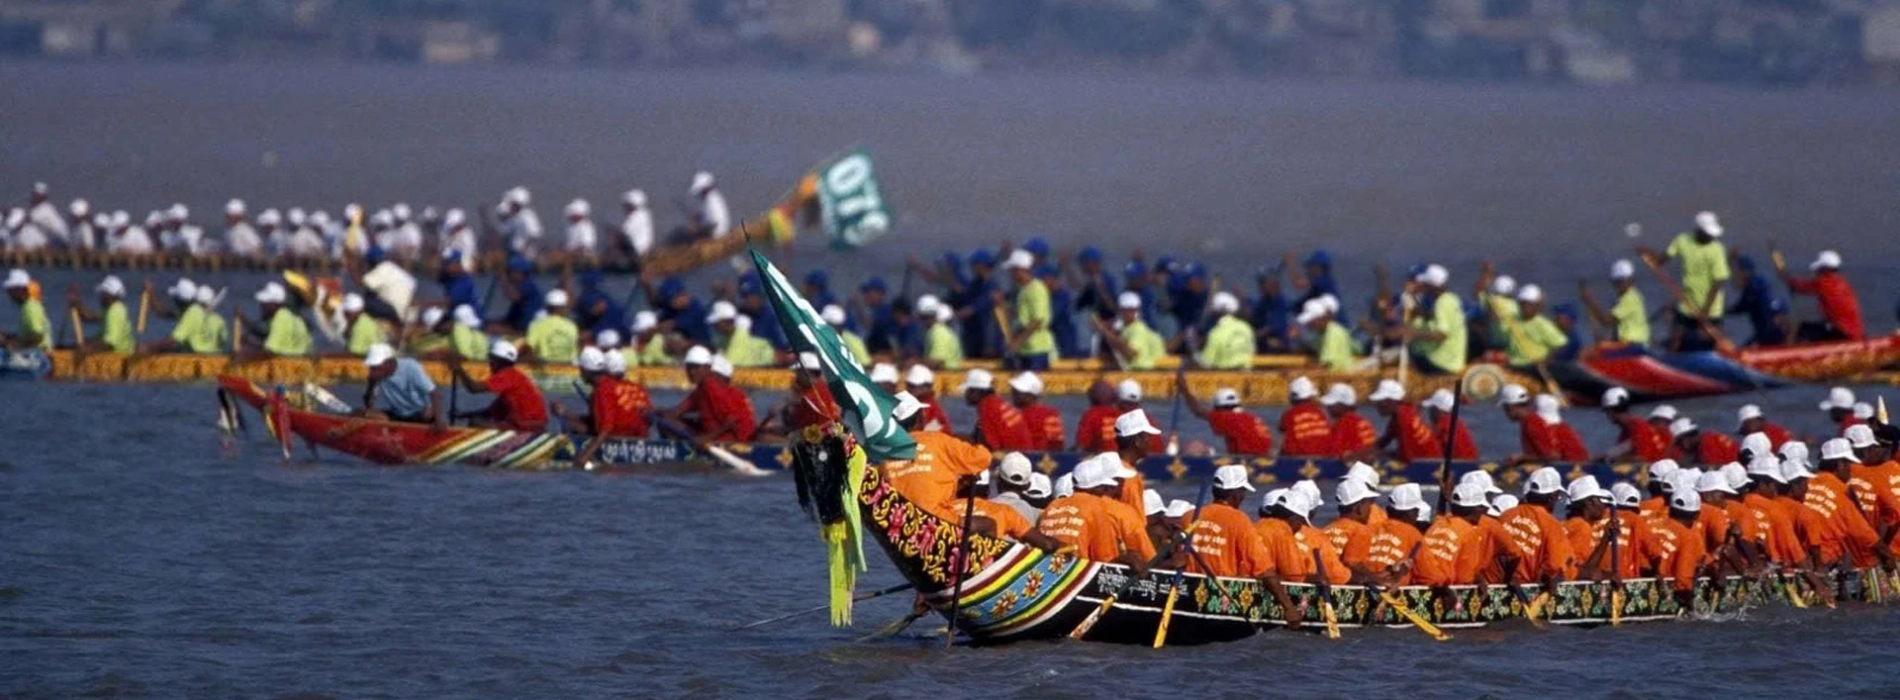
(400, 390)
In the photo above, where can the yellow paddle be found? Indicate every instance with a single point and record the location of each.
(1326, 597)
(1167, 613)
(145, 304)
(1406, 611)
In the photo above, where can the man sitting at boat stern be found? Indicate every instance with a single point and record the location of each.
(400, 390)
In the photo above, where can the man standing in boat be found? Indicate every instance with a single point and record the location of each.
(400, 390)
(1840, 310)
(518, 404)
(1436, 332)
(1704, 271)
(1032, 342)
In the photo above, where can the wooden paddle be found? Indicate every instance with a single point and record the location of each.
(1187, 542)
(1451, 432)
(1326, 597)
(858, 598)
(1397, 604)
(1616, 571)
(1722, 343)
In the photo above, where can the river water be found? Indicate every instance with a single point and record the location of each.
(141, 559)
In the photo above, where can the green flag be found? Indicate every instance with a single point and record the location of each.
(867, 409)
(851, 206)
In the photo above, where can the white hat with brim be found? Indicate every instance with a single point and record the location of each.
(1838, 397)
(1014, 469)
(1232, 476)
(1178, 508)
(883, 373)
(1827, 260)
(1225, 397)
(977, 379)
(1584, 488)
(1838, 448)
(1350, 491)
(906, 407)
(697, 355)
(919, 375)
(1686, 501)
(1709, 224)
(1482, 479)
(1302, 388)
(1026, 382)
(1544, 481)
(1406, 497)
(1039, 486)
(1859, 436)
(1152, 504)
(504, 350)
(1134, 423)
(18, 278)
(378, 354)
(1469, 495)
(272, 293)
(1388, 390)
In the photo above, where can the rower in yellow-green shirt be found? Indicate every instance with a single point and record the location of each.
(1332, 345)
(115, 330)
(1230, 343)
(1033, 341)
(34, 330)
(1532, 336)
(1135, 345)
(199, 329)
(1437, 327)
(833, 315)
(554, 337)
(1704, 271)
(466, 338)
(942, 348)
(285, 334)
(364, 330)
(1628, 319)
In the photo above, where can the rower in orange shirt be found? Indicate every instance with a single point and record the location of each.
(929, 479)
(1636, 439)
(1244, 433)
(1304, 426)
(1463, 448)
(1286, 518)
(1134, 441)
(1780, 545)
(1818, 537)
(997, 519)
(1101, 527)
(1407, 437)
(1351, 533)
(1827, 493)
(1684, 553)
(1454, 549)
(1396, 539)
(1636, 544)
(1587, 528)
(1876, 482)
(920, 382)
(1044, 421)
(999, 426)
(1368, 475)
(1656, 506)
(1354, 437)
(1542, 546)
(1224, 540)
(1751, 420)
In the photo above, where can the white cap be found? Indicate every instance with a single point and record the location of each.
(352, 303)
(518, 195)
(578, 207)
(272, 293)
(1302, 388)
(1406, 497)
(269, 217)
(1039, 486)
(454, 218)
(1362, 473)
(977, 379)
(636, 198)
(1309, 487)
(1501, 504)
(1027, 382)
(1134, 423)
(944, 314)
(1625, 495)
(1838, 397)
(400, 210)
(1019, 259)
(1503, 285)
(80, 208)
(1128, 300)
(928, 304)
(1232, 476)
(557, 297)
(1065, 485)
(1152, 503)
(697, 355)
(1440, 399)
(1340, 395)
(1483, 479)
(17, 278)
(234, 207)
(1864, 410)
(722, 366)
(722, 311)
(1827, 260)
(1468, 495)
(702, 181)
(1513, 394)
(1224, 303)
(1616, 396)
(883, 373)
(1270, 499)
(1622, 270)
(378, 354)
(1350, 491)
(920, 375)
(1177, 508)
(617, 363)
(1757, 444)
(1660, 470)
(1388, 390)
(1299, 502)
(1097, 471)
(1838, 448)
(833, 314)
(906, 407)
(1128, 390)
(1686, 501)
(742, 322)
(1792, 469)
(1708, 223)
(1859, 436)
(1530, 294)
(1681, 426)
(1434, 275)
(466, 316)
(1312, 310)
(432, 316)
(111, 286)
(504, 350)
(1584, 488)
(1014, 469)
(645, 321)
(1545, 480)
(1747, 413)
(1547, 408)
(1714, 481)
(591, 359)
(1225, 397)
(1684, 480)
(178, 212)
(1663, 412)
(1765, 465)
(608, 338)
(184, 288)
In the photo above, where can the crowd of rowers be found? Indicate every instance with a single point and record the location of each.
(1767, 510)
(1031, 304)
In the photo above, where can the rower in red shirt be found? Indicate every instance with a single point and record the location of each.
(1095, 432)
(1304, 426)
(999, 426)
(922, 384)
(809, 405)
(1751, 420)
(715, 410)
(618, 408)
(1840, 408)
(1044, 421)
(1699, 447)
(1244, 432)
(518, 404)
(1636, 439)
(1354, 437)
(1541, 432)
(1408, 436)
(1840, 311)
(1463, 448)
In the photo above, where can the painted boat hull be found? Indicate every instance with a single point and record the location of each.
(1653, 376)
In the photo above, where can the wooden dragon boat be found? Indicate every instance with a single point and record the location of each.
(1013, 592)
(1656, 376)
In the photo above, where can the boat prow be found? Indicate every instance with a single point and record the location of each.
(395, 443)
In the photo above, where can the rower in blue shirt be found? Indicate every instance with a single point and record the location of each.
(457, 284)
(817, 290)
(1268, 314)
(1565, 315)
(875, 303)
(1062, 312)
(752, 303)
(1187, 298)
(524, 296)
(1318, 282)
(973, 303)
(596, 310)
(1768, 314)
(1094, 286)
(686, 313)
(1135, 278)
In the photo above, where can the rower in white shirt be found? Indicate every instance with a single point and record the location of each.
(457, 235)
(520, 225)
(128, 239)
(581, 237)
(239, 238)
(712, 220)
(186, 236)
(44, 215)
(84, 235)
(405, 237)
(638, 226)
(25, 235)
